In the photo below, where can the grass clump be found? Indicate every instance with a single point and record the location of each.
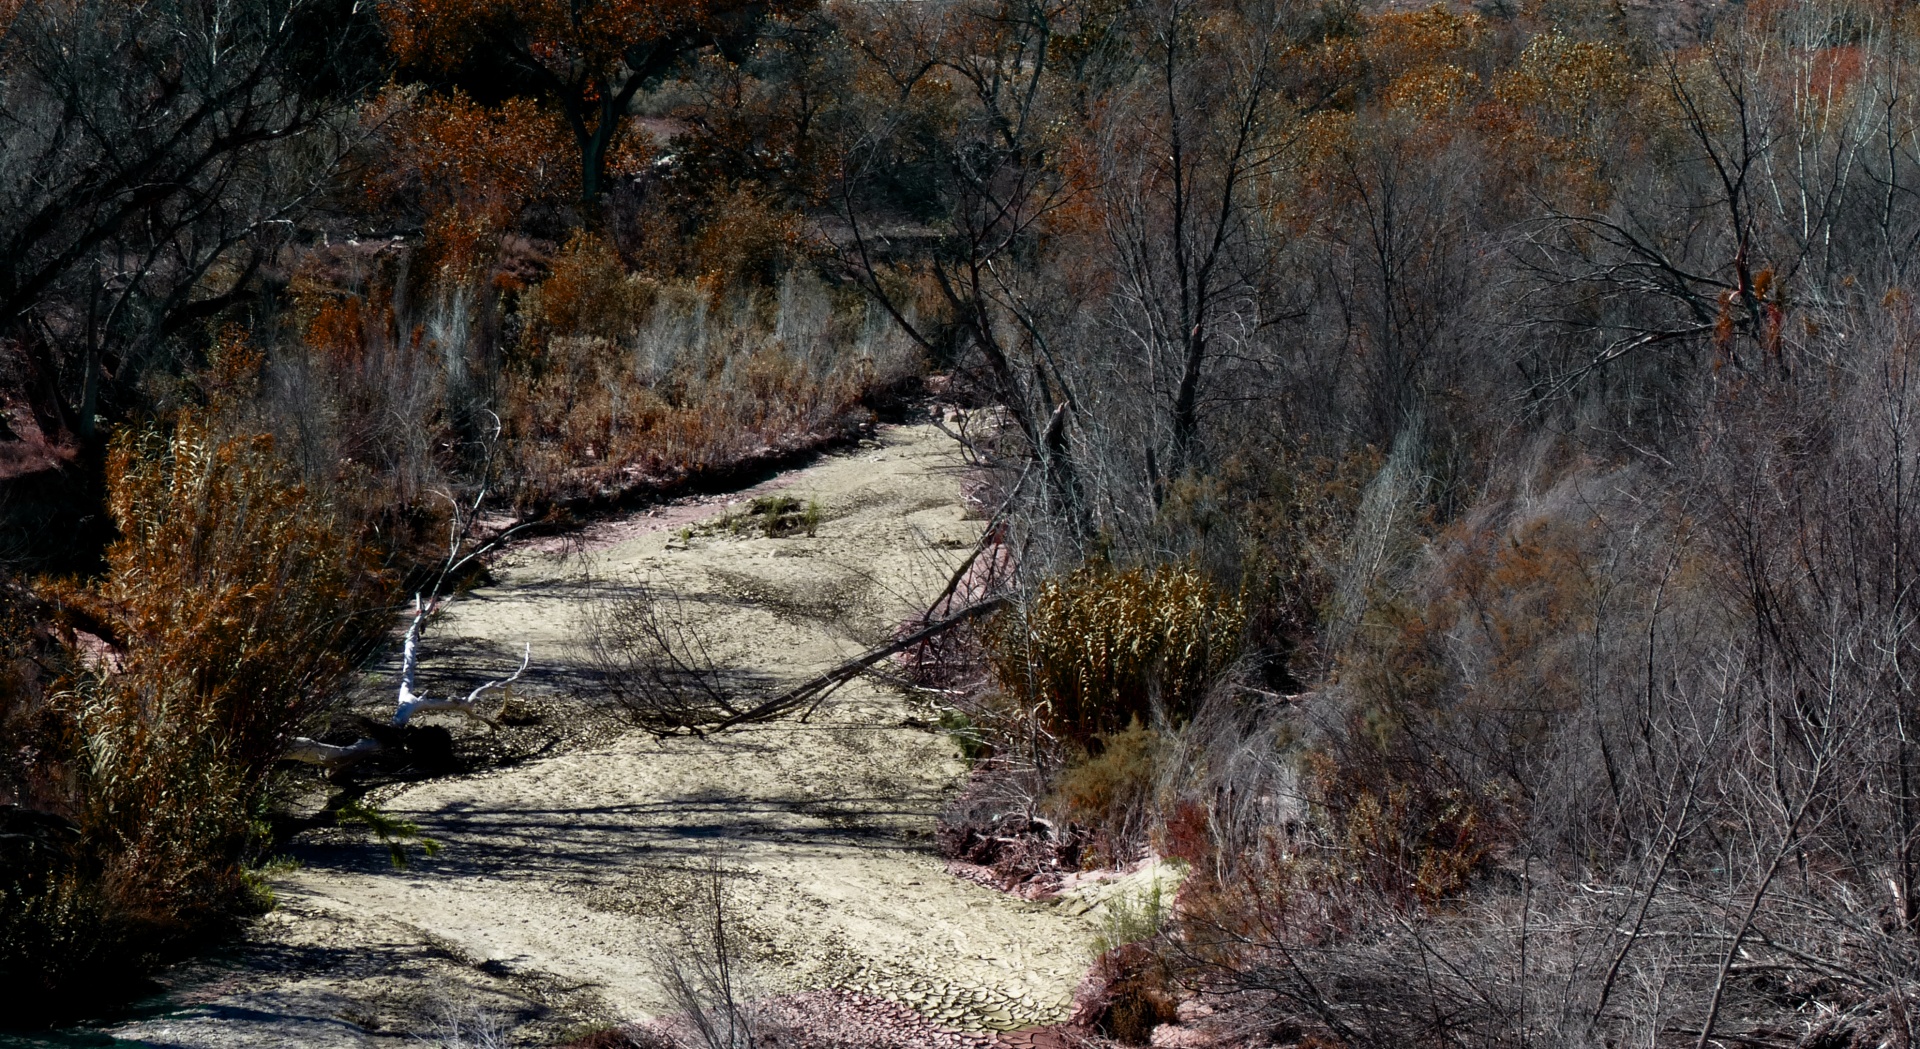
(1101, 648)
(774, 517)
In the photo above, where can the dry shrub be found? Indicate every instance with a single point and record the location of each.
(49, 909)
(363, 401)
(1464, 774)
(994, 824)
(35, 773)
(1412, 819)
(587, 294)
(1112, 790)
(616, 1038)
(232, 598)
(1276, 516)
(230, 585)
(1096, 650)
(1406, 839)
(235, 596)
(1114, 780)
(1451, 700)
(1130, 988)
(622, 380)
(1300, 945)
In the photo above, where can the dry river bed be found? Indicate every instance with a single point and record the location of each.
(564, 880)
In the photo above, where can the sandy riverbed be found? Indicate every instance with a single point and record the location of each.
(563, 879)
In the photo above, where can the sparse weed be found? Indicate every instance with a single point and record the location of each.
(705, 978)
(466, 1025)
(964, 733)
(258, 880)
(1132, 917)
(770, 516)
(395, 833)
(776, 514)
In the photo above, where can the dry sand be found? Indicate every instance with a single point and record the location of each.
(563, 880)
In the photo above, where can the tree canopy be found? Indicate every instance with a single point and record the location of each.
(588, 58)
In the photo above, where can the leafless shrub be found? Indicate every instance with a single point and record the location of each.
(1229, 779)
(463, 1024)
(704, 978)
(649, 652)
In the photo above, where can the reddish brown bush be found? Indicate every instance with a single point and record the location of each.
(1131, 992)
(236, 609)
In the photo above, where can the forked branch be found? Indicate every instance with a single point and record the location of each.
(407, 704)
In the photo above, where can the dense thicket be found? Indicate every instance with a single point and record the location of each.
(1545, 389)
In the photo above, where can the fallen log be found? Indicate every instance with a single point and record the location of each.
(407, 704)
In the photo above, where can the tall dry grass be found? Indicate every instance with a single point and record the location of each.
(622, 379)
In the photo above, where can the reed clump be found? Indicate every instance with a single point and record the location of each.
(1102, 647)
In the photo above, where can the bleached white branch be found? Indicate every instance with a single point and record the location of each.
(328, 755)
(407, 703)
(411, 705)
(409, 663)
(526, 657)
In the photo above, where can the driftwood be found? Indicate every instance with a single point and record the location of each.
(656, 665)
(407, 704)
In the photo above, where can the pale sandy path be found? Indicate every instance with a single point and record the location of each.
(562, 879)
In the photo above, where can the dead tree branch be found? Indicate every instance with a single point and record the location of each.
(407, 704)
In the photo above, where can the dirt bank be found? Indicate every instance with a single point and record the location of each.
(561, 879)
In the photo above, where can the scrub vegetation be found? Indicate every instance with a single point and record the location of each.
(1446, 470)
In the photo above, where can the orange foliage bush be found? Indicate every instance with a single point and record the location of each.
(746, 239)
(472, 169)
(1552, 111)
(235, 599)
(228, 616)
(588, 59)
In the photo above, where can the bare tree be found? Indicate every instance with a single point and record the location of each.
(996, 192)
(1186, 148)
(152, 159)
